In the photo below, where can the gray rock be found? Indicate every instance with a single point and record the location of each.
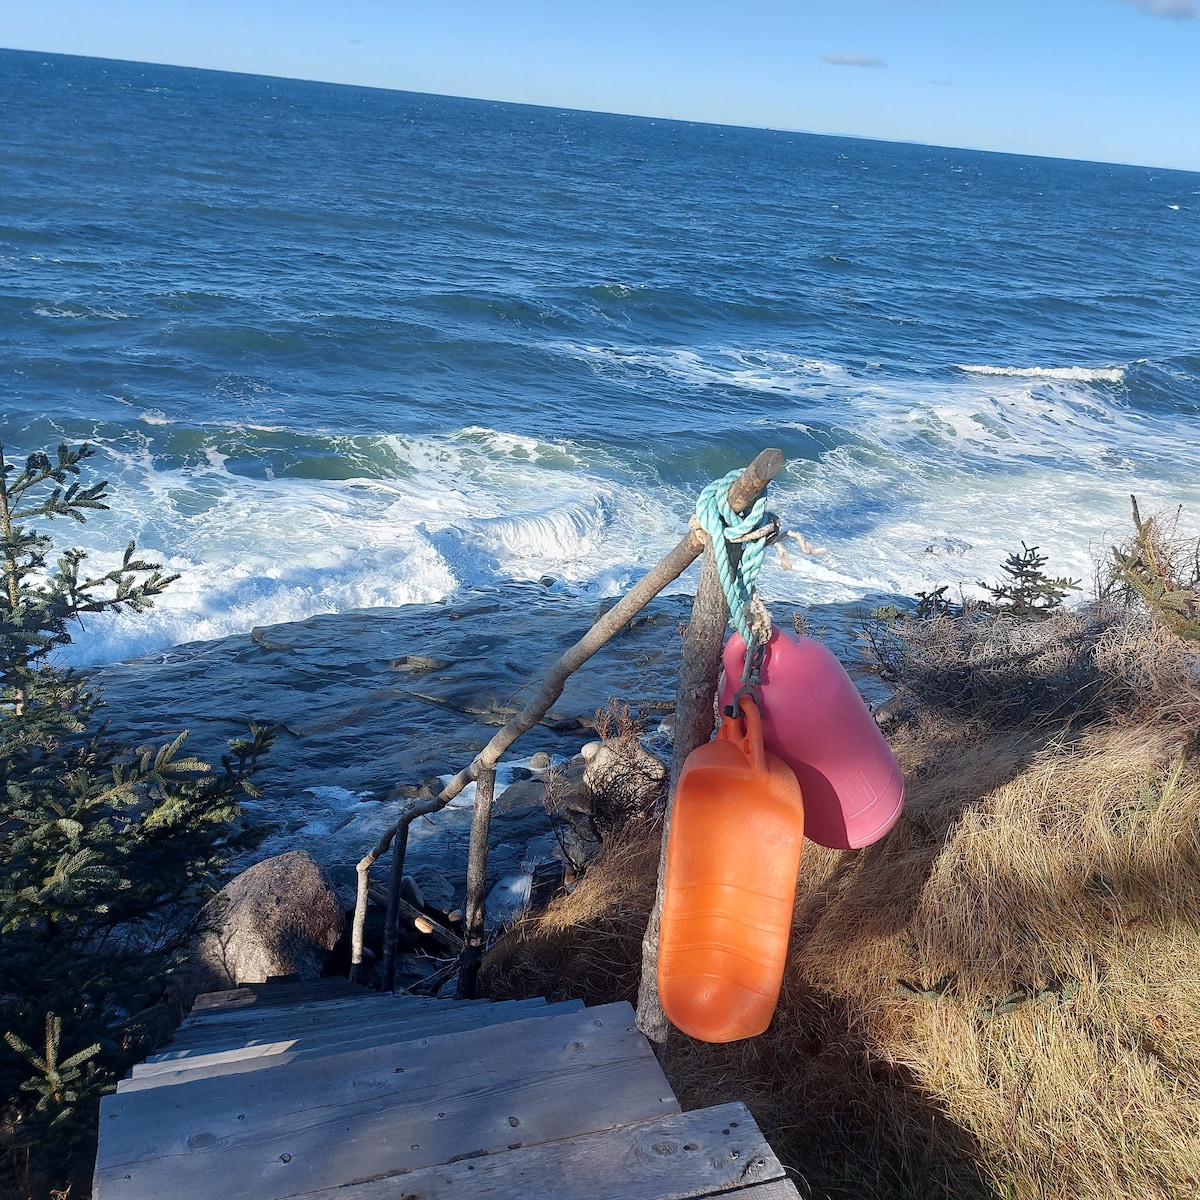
(279, 917)
(625, 772)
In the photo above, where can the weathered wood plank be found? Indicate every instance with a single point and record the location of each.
(676, 1157)
(213, 1019)
(245, 1054)
(773, 1189)
(350, 1117)
(269, 994)
(242, 1059)
(232, 1032)
(313, 1032)
(454, 1015)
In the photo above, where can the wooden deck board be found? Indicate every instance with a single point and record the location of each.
(269, 994)
(773, 1189)
(677, 1157)
(243, 1059)
(190, 1043)
(247, 1021)
(351, 1117)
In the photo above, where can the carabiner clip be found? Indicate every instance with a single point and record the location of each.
(756, 651)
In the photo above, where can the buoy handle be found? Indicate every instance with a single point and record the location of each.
(749, 734)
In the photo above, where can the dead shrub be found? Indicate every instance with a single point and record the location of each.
(1159, 568)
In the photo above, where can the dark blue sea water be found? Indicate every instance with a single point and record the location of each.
(341, 347)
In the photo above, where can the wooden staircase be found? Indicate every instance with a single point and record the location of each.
(299, 1089)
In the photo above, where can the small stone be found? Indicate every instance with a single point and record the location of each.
(416, 663)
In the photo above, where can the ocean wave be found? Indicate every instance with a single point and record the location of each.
(80, 312)
(556, 542)
(1069, 374)
(257, 551)
(754, 370)
(478, 507)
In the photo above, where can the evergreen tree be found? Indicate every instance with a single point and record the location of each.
(105, 851)
(1028, 591)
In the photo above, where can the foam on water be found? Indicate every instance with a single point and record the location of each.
(255, 551)
(1075, 374)
(756, 370)
(931, 482)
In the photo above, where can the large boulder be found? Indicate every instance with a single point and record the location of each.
(279, 917)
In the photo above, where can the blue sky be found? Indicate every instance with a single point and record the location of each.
(1111, 80)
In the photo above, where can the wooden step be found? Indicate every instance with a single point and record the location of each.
(250, 1018)
(190, 1043)
(292, 1022)
(322, 1122)
(243, 1059)
(703, 1153)
(264, 995)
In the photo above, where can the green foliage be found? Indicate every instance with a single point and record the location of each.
(106, 852)
(1163, 571)
(1028, 591)
(57, 1082)
(929, 604)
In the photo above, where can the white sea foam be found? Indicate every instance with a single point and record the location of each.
(934, 481)
(771, 371)
(1072, 374)
(80, 312)
(1014, 419)
(255, 551)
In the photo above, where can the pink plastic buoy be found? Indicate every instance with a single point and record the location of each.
(814, 719)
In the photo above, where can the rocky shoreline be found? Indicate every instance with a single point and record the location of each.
(380, 706)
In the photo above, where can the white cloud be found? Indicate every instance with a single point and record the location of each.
(1180, 10)
(863, 60)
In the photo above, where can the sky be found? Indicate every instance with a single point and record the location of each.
(1107, 80)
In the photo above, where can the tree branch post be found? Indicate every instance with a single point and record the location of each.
(695, 689)
(391, 920)
(473, 910)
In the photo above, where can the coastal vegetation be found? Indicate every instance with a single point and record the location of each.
(106, 850)
(998, 999)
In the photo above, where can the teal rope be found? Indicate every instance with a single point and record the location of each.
(723, 526)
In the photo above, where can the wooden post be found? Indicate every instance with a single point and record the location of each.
(695, 690)
(391, 920)
(474, 912)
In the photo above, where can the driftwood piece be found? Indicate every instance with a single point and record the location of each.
(428, 926)
(695, 689)
(474, 912)
(742, 494)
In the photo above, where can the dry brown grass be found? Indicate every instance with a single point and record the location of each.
(1002, 998)
(586, 944)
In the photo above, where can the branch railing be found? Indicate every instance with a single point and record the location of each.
(693, 726)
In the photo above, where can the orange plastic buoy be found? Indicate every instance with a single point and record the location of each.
(814, 719)
(737, 830)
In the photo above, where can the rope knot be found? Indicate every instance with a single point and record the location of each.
(750, 531)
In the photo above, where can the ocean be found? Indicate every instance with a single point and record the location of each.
(340, 348)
